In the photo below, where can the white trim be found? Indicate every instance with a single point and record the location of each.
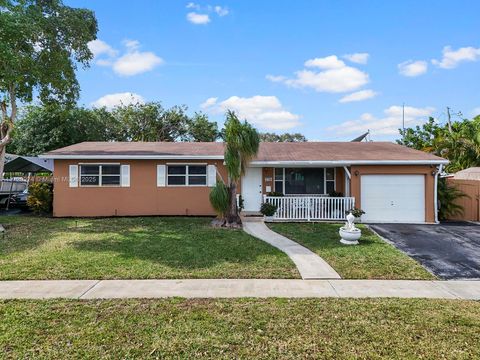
(100, 175)
(125, 175)
(324, 181)
(161, 175)
(435, 193)
(211, 175)
(99, 163)
(133, 157)
(187, 175)
(345, 163)
(73, 175)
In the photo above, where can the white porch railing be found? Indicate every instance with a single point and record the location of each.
(310, 207)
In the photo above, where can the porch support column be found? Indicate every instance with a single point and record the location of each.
(348, 177)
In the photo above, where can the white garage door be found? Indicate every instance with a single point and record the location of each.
(393, 198)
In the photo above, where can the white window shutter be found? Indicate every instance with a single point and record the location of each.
(211, 175)
(161, 175)
(125, 175)
(73, 175)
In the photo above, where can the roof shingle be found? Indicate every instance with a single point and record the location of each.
(287, 152)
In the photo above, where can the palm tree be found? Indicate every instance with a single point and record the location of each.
(241, 145)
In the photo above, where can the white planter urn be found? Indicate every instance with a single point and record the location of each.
(349, 233)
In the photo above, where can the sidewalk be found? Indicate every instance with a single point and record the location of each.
(236, 288)
(309, 264)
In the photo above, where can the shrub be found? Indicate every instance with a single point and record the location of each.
(335, 194)
(40, 198)
(268, 209)
(447, 195)
(275, 193)
(219, 198)
(355, 212)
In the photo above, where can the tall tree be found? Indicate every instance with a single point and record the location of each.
(458, 141)
(242, 142)
(421, 137)
(201, 129)
(43, 128)
(286, 137)
(151, 122)
(41, 43)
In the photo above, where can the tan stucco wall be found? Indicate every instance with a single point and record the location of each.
(143, 197)
(358, 171)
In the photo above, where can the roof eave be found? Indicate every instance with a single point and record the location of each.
(130, 157)
(348, 162)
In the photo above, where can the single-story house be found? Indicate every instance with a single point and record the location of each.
(391, 183)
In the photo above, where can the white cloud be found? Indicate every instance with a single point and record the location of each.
(274, 78)
(334, 76)
(266, 112)
(387, 125)
(131, 45)
(221, 10)
(192, 5)
(100, 48)
(198, 19)
(328, 62)
(134, 61)
(358, 58)
(111, 100)
(452, 58)
(412, 68)
(358, 96)
(209, 102)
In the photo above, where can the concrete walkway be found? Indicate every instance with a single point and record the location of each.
(236, 288)
(309, 264)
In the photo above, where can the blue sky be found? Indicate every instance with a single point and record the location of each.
(328, 69)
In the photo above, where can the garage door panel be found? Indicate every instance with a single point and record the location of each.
(393, 198)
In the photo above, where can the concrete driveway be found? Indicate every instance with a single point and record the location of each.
(449, 250)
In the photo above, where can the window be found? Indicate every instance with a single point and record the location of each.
(187, 175)
(304, 180)
(100, 175)
(330, 180)
(279, 180)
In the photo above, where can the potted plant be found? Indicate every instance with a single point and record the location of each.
(356, 212)
(268, 210)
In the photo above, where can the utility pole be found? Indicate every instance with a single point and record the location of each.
(403, 122)
(449, 120)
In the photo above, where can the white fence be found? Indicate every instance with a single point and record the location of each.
(310, 207)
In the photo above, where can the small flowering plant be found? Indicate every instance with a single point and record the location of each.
(355, 212)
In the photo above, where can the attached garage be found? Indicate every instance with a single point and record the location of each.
(393, 198)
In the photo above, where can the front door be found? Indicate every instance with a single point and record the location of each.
(252, 189)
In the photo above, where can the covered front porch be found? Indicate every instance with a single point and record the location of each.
(305, 193)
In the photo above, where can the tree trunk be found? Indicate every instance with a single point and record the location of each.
(2, 161)
(232, 217)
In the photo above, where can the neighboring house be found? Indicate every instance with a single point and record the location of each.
(391, 183)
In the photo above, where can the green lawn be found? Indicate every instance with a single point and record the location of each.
(133, 248)
(271, 328)
(372, 259)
